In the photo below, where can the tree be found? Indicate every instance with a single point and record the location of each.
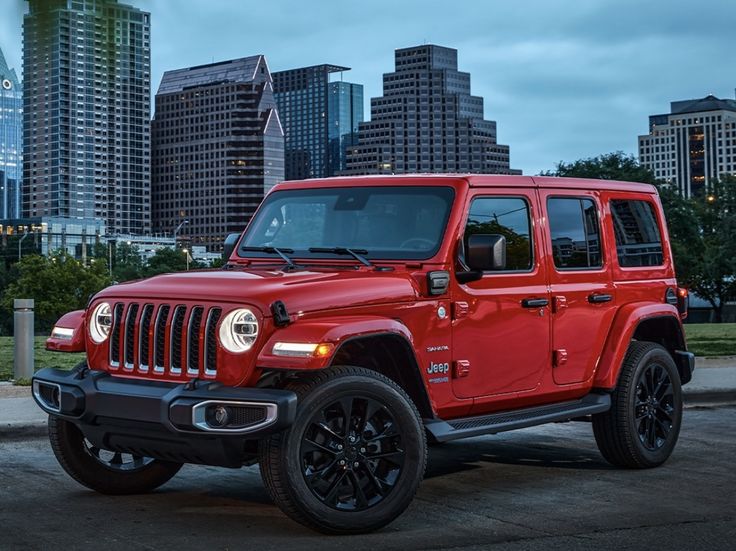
(169, 260)
(703, 237)
(58, 284)
(128, 264)
(610, 166)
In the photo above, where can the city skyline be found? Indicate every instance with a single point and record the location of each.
(552, 81)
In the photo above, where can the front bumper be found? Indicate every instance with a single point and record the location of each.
(173, 422)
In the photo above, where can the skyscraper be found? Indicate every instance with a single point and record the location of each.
(86, 129)
(319, 117)
(11, 141)
(218, 146)
(692, 144)
(427, 121)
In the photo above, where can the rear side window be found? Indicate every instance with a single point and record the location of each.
(508, 216)
(638, 242)
(576, 238)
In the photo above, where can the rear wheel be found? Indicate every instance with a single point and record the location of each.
(354, 457)
(642, 426)
(105, 471)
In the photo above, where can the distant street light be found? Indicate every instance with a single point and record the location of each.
(186, 255)
(711, 198)
(20, 243)
(176, 231)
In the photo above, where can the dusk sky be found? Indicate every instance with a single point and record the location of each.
(564, 79)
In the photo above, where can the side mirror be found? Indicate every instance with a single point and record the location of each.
(486, 252)
(229, 246)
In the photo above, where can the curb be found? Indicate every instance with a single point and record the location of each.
(24, 431)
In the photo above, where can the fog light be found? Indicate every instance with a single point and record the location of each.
(218, 416)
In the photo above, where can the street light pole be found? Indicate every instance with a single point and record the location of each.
(20, 244)
(186, 255)
(176, 231)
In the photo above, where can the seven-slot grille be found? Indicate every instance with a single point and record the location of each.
(171, 339)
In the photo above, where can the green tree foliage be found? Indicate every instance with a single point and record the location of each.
(127, 263)
(169, 260)
(702, 229)
(57, 283)
(611, 166)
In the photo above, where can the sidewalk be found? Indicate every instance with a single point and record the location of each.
(714, 382)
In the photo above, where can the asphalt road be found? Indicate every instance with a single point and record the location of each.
(543, 488)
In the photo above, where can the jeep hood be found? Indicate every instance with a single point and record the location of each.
(302, 291)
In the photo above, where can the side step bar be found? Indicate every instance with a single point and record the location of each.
(466, 427)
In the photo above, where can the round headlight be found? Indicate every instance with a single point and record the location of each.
(239, 330)
(100, 322)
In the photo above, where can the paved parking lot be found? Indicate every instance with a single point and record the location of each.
(541, 488)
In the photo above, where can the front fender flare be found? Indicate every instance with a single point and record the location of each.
(334, 331)
(74, 321)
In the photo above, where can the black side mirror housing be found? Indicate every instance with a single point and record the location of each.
(229, 246)
(486, 252)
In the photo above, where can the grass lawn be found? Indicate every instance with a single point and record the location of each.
(704, 339)
(43, 357)
(711, 339)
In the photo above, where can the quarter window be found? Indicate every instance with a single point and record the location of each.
(508, 216)
(574, 228)
(638, 242)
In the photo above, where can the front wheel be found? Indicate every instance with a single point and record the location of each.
(104, 471)
(353, 459)
(642, 426)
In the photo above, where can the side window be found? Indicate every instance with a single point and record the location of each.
(508, 216)
(638, 242)
(576, 237)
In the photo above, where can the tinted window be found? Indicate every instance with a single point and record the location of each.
(508, 216)
(576, 240)
(392, 222)
(638, 242)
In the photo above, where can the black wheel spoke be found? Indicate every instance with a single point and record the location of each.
(360, 500)
(352, 453)
(312, 446)
(347, 408)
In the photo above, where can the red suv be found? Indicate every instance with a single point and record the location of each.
(358, 318)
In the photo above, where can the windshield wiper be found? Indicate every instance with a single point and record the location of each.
(355, 253)
(273, 250)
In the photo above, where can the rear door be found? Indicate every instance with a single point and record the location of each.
(583, 297)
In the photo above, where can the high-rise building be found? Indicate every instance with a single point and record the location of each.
(218, 146)
(692, 144)
(320, 119)
(427, 121)
(11, 141)
(86, 129)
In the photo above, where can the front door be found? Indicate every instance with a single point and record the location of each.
(582, 293)
(501, 323)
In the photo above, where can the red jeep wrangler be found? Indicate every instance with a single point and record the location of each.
(358, 318)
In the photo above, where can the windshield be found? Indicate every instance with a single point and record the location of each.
(396, 222)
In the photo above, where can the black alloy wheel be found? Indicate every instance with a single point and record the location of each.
(352, 453)
(655, 407)
(641, 429)
(354, 457)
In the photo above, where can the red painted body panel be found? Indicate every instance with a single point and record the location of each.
(71, 320)
(500, 355)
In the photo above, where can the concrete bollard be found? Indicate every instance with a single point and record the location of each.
(23, 360)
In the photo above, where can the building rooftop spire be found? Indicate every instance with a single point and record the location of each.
(6, 72)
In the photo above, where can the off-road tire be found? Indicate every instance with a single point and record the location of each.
(282, 458)
(617, 430)
(69, 447)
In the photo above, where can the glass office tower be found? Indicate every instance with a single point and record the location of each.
(11, 141)
(87, 66)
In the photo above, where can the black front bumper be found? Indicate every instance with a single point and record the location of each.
(167, 421)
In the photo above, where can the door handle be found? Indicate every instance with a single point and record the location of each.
(534, 302)
(597, 299)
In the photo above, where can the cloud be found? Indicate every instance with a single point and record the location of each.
(564, 78)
